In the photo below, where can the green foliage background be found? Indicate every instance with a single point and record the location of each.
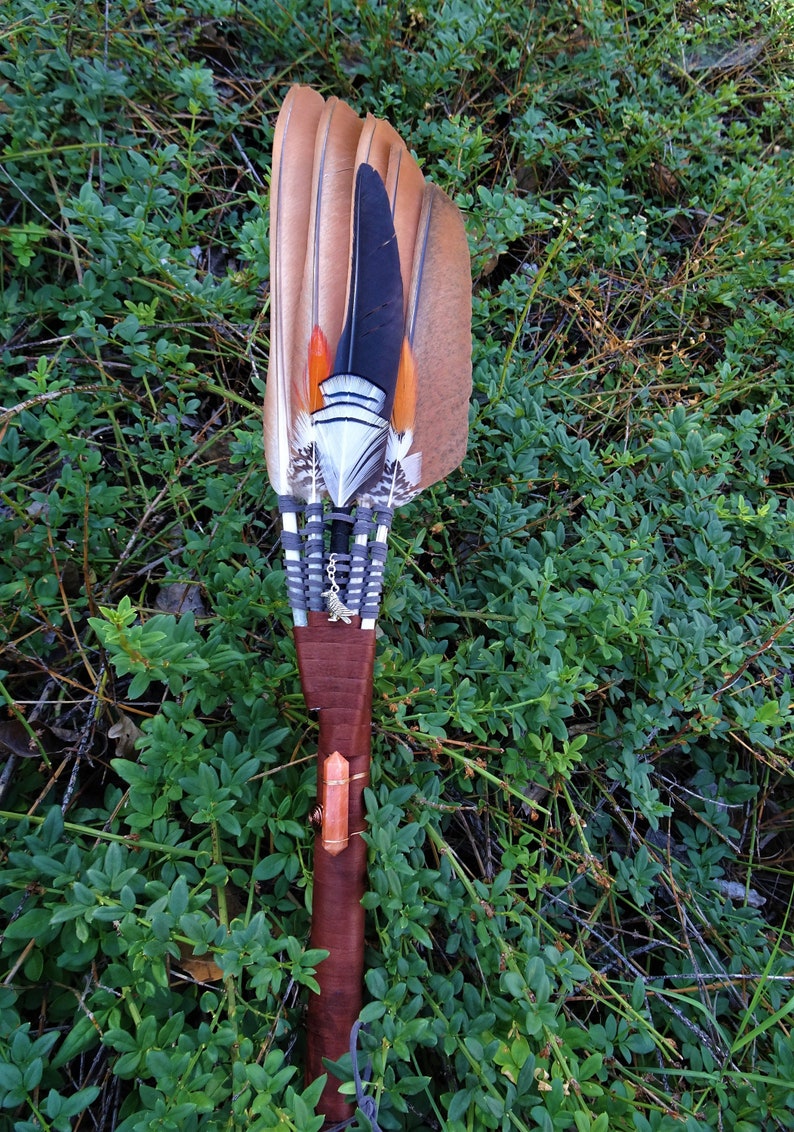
(580, 905)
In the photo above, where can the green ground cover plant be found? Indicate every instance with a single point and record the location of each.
(580, 898)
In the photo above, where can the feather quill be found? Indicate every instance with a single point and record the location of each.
(366, 403)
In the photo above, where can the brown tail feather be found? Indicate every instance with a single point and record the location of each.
(290, 211)
(438, 327)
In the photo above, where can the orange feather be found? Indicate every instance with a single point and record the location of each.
(403, 411)
(319, 368)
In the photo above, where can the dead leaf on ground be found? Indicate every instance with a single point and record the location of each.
(664, 181)
(125, 732)
(17, 739)
(202, 968)
(181, 597)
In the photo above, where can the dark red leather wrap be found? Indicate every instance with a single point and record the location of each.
(336, 662)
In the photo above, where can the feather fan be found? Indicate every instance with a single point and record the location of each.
(366, 404)
(353, 222)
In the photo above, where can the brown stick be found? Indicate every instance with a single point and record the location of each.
(336, 662)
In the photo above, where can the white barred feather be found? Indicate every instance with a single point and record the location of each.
(401, 473)
(305, 475)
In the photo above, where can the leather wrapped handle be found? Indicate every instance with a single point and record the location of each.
(336, 663)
